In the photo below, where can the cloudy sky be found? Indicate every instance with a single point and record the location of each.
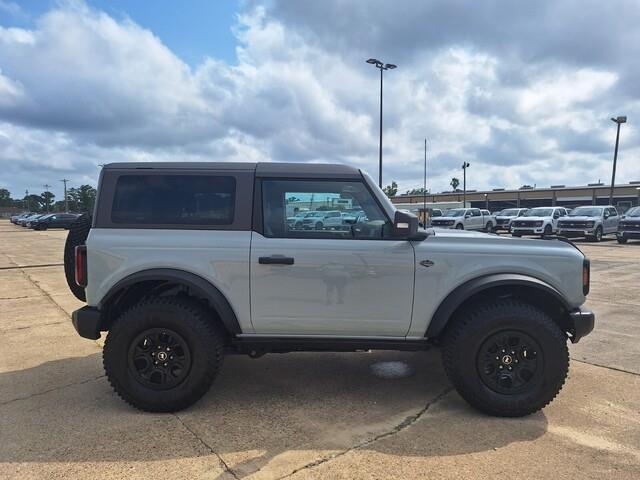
(524, 91)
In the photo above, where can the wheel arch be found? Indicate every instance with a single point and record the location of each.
(502, 285)
(160, 280)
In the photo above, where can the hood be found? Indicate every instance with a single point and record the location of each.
(535, 218)
(446, 218)
(581, 218)
(506, 217)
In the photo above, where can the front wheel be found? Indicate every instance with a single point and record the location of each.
(622, 240)
(548, 230)
(488, 227)
(459, 226)
(163, 354)
(597, 236)
(506, 358)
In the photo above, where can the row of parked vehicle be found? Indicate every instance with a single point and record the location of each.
(590, 222)
(44, 221)
(325, 220)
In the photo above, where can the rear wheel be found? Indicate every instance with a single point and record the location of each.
(622, 240)
(163, 354)
(506, 358)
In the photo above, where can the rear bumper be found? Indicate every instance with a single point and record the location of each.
(86, 321)
(582, 323)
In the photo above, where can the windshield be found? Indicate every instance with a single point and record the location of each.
(634, 212)
(456, 212)
(539, 212)
(509, 212)
(586, 212)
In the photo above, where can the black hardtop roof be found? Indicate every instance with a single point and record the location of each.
(262, 169)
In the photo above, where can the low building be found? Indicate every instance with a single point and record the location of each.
(624, 197)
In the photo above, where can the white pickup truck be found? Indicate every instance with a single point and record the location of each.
(466, 219)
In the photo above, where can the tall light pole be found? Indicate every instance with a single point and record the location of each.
(619, 121)
(465, 165)
(380, 66)
(424, 187)
(66, 202)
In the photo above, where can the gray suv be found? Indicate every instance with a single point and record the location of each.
(589, 222)
(184, 263)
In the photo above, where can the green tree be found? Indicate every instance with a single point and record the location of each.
(416, 191)
(33, 202)
(47, 200)
(87, 198)
(5, 198)
(391, 190)
(454, 183)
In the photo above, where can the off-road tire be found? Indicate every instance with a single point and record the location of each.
(622, 240)
(467, 333)
(459, 226)
(78, 233)
(194, 323)
(548, 230)
(488, 227)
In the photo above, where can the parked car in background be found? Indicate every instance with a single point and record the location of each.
(489, 218)
(25, 220)
(538, 221)
(589, 222)
(506, 216)
(629, 225)
(296, 220)
(464, 219)
(317, 220)
(16, 218)
(53, 220)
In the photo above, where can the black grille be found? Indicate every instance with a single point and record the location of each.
(525, 223)
(629, 226)
(439, 222)
(569, 224)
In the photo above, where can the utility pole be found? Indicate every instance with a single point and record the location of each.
(424, 187)
(619, 121)
(66, 203)
(465, 165)
(26, 197)
(46, 198)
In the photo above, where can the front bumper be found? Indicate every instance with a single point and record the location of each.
(527, 231)
(581, 323)
(87, 321)
(572, 232)
(628, 234)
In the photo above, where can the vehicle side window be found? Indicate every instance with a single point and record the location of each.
(362, 217)
(174, 200)
(475, 213)
(613, 212)
(556, 214)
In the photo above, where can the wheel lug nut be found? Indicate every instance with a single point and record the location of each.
(497, 358)
(165, 364)
(153, 354)
(516, 360)
(155, 363)
(510, 368)
(171, 357)
(500, 367)
(168, 349)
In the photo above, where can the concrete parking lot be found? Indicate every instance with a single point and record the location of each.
(304, 415)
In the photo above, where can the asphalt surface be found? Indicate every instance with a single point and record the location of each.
(305, 415)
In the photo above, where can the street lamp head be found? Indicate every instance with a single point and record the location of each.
(373, 61)
(619, 120)
(465, 165)
(390, 66)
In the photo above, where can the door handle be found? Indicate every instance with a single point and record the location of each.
(275, 260)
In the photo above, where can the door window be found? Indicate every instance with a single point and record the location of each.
(298, 209)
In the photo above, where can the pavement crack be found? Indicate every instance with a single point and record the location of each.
(59, 387)
(223, 464)
(20, 267)
(26, 327)
(403, 425)
(606, 366)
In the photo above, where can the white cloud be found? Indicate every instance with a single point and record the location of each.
(82, 88)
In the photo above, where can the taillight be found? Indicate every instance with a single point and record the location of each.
(586, 276)
(81, 265)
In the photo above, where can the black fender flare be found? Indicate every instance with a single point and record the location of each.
(200, 286)
(465, 291)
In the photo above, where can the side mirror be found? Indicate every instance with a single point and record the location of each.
(467, 215)
(405, 225)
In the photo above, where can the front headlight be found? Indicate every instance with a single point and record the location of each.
(539, 224)
(450, 222)
(590, 224)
